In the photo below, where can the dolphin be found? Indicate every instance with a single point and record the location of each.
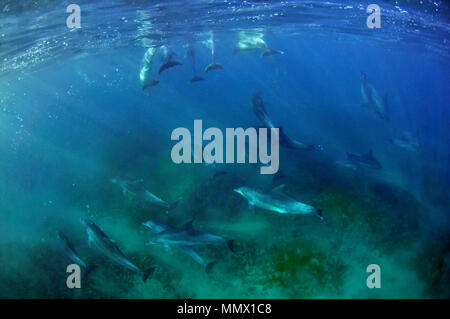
(213, 65)
(260, 110)
(250, 40)
(69, 251)
(253, 40)
(188, 236)
(168, 59)
(189, 251)
(406, 141)
(372, 99)
(190, 52)
(159, 228)
(108, 247)
(152, 198)
(364, 160)
(346, 164)
(276, 201)
(145, 75)
(284, 140)
(287, 142)
(270, 52)
(137, 188)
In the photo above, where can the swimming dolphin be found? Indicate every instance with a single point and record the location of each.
(188, 250)
(284, 140)
(69, 251)
(253, 40)
(196, 257)
(406, 141)
(145, 75)
(168, 59)
(276, 201)
(213, 65)
(346, 164)
(270, 52)
(190, 52)
(156, 226)
(250, 40)
(260, 110)
(372, 99)
(188, 236)
(137, 188)
(364, 160)
(107, 247)
(287, 142)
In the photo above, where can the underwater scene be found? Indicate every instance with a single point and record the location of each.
(224, 149)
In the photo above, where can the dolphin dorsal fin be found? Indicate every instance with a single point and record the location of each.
(188, 225)
(279, 188)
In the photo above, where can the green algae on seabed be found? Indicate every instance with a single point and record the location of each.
(288, 257)
(305, 270)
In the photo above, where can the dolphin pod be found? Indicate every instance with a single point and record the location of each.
(249, 40)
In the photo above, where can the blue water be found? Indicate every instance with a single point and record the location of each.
(73, 116)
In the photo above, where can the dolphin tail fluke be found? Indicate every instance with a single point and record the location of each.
(315, 147)
(147, 273)
(230, 245)
(214, 66)
(168, 65)
(209, 266)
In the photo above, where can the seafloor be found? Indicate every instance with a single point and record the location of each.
(276, 256)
